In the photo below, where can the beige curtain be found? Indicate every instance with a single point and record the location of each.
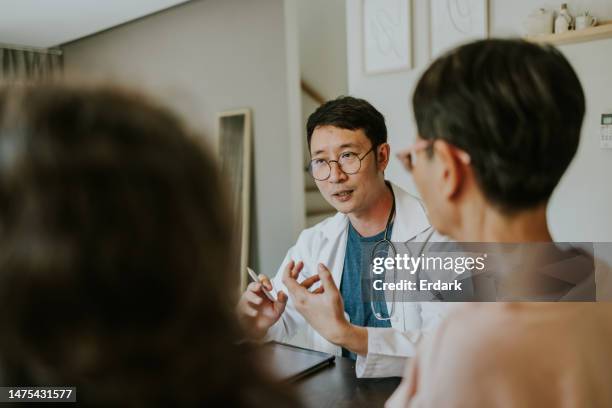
(17, 66)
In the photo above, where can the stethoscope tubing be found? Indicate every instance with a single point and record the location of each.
(385, 240)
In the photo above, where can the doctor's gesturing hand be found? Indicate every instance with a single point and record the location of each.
(256, 312)
(323, 308)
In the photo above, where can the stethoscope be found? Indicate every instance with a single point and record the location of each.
(385, 242)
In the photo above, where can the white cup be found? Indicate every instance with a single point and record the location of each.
(583, 22)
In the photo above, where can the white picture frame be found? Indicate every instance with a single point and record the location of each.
(387, 35)
(455, 22)
(234, 131)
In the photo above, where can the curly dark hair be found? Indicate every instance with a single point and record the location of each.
(113, 253)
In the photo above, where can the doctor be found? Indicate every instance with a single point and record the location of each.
(347, 138)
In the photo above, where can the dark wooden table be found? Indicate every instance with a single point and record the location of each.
(337, 386)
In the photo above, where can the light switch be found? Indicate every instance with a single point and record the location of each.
(606, 131)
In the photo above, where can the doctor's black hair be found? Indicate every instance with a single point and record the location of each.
(516, 108)
(347, 112)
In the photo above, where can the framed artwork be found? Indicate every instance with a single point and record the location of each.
(234, 132)
(387, 35)
(455, 22)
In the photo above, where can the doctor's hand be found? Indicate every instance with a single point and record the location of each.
(323, 308)
(256, 312)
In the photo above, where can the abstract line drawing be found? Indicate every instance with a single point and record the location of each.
(386, 32)
(454, 22)
(383, 25)
(461, 15)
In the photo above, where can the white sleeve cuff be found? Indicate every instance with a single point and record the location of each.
(388, 351)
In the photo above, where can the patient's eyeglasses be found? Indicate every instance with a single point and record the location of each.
(408, 156)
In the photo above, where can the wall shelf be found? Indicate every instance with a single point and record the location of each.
(599, 32)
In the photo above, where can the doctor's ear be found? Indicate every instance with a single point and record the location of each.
(382, 156)
(449, 169)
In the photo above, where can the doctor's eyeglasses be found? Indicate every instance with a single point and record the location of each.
(348, 162)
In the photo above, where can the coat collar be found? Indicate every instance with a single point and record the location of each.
(410, 218)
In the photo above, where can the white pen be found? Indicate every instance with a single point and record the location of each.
(264, 290)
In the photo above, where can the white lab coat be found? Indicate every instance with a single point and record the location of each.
(388, 348)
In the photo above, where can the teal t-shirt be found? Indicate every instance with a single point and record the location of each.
(359, 311)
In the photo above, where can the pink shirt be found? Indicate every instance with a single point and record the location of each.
(514, 355)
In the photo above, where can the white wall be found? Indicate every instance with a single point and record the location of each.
(322, 28)
(580, 208)
(209, 56)
(322, 44)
